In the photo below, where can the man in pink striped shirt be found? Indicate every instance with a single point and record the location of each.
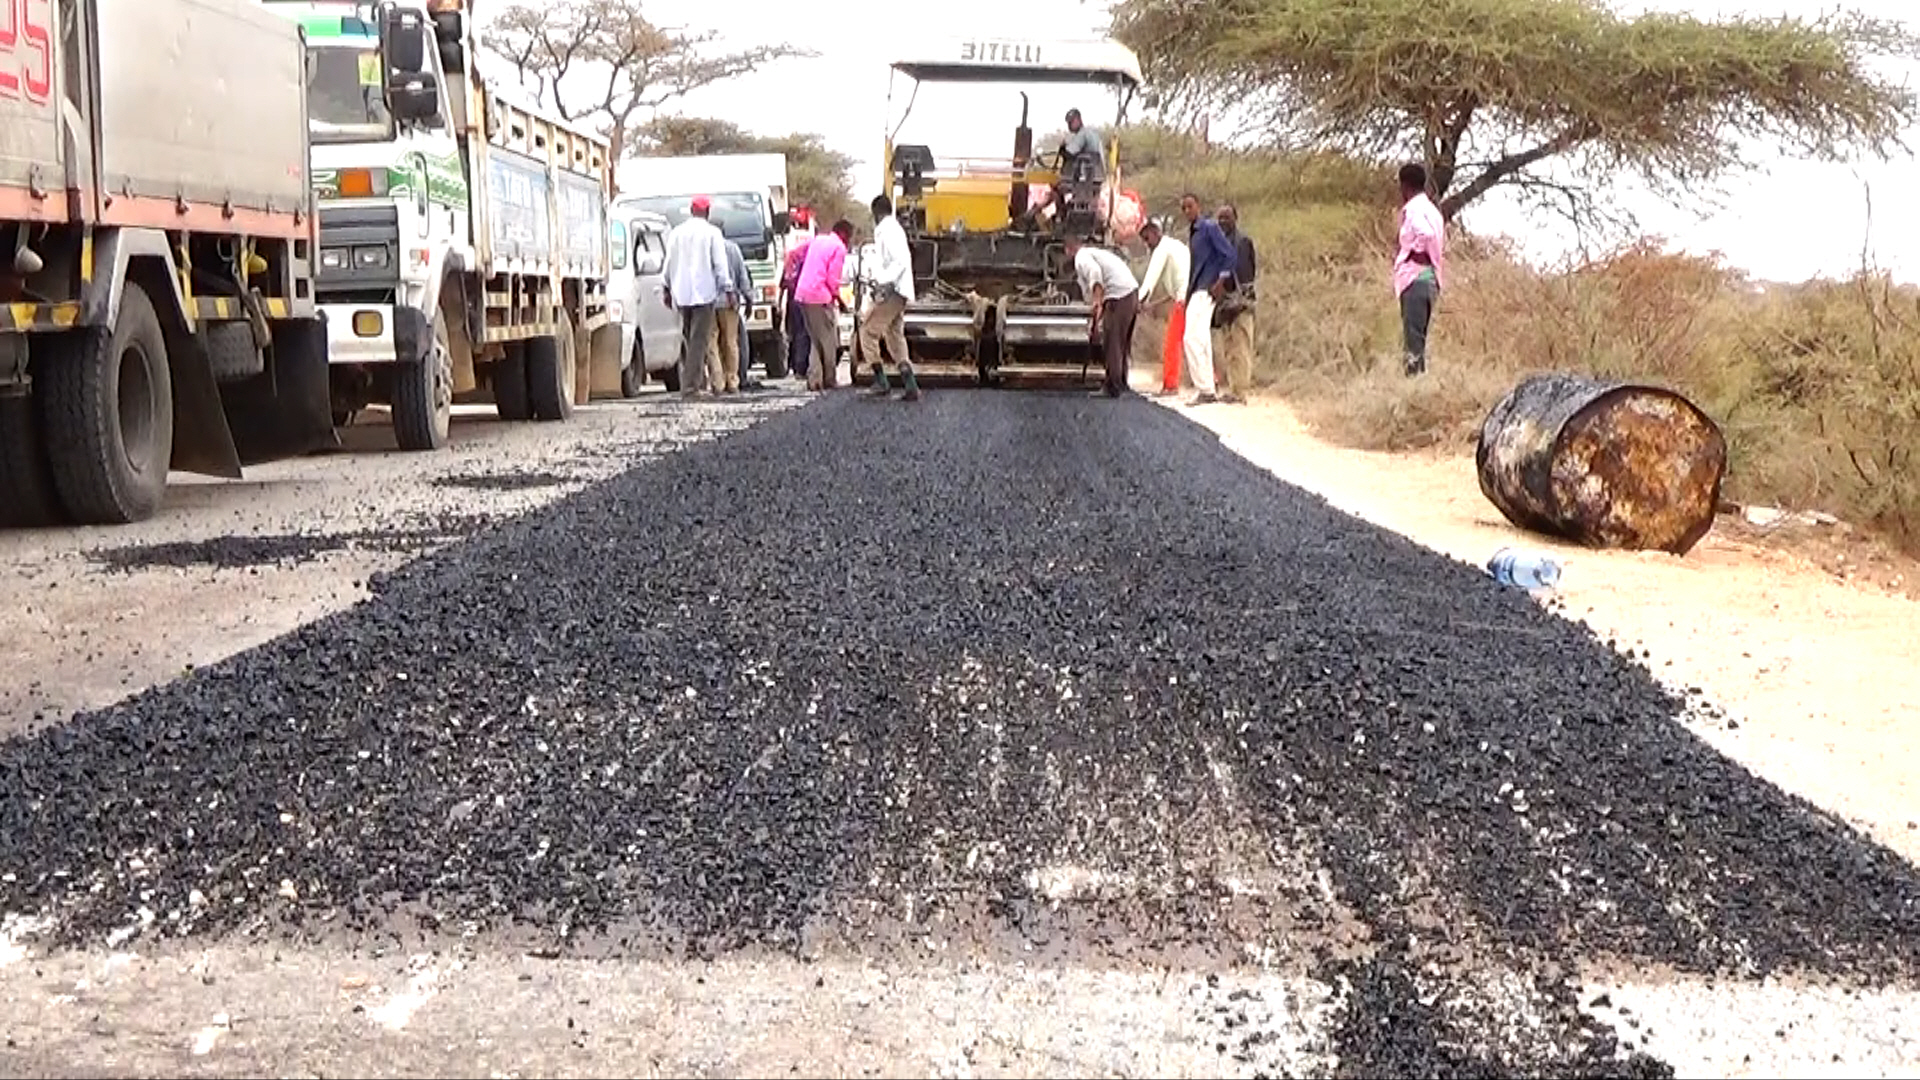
(818, 291)
(1420, 266)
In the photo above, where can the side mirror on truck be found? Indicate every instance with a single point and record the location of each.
(650, 264)
(414, 97)
(403, 40)
(782, 221)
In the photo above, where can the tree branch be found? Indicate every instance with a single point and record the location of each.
(1503, 169)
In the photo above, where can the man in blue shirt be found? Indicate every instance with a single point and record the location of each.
(1214, 261)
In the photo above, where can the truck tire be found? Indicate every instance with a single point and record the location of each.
(550, 373)
(27, 497)
(670, 378)
(634, 375)
(510, 383)
(106, 406)
(772, 354)
(423, 394)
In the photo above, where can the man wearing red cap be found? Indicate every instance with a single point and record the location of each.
(697, 280)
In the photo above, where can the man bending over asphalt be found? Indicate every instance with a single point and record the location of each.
(819, 294)
(1110, 287)
(1214, 259)
(886, 321)
(697, 278)
(1164, 287)
(1418, 268)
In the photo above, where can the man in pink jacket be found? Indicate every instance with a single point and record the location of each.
(1419, 268)
(818, 291)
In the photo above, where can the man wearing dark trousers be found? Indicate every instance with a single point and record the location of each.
(1419, 268)
(697, 280)
(1109, 285)
(799, 348)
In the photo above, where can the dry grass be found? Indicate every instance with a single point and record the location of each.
(1817, 386)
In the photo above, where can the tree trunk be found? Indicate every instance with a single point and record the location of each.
(1607, 465)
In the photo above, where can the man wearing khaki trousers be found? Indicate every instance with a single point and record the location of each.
(1234, 313)
(892, 279)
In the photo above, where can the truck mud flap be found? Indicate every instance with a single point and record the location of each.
(286, 411)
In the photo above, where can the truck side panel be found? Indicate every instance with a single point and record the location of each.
(180, 123)
(31, 180)
(583, 227)
(519, 231)
(536, 144)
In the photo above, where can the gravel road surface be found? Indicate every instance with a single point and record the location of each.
(1010, 734)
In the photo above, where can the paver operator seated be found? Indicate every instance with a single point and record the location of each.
(1081, 145)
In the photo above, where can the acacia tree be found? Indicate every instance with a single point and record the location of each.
(1490, 93)
(817, 175)
(605, 61)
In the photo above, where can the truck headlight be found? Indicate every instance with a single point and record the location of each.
(374, 257)
(333, 258)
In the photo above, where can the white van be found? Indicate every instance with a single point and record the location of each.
(636, 299)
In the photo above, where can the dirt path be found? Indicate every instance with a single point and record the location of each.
(1816, 675)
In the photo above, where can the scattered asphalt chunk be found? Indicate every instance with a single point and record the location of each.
(510, 481)
(1003, 674)
(241, 551)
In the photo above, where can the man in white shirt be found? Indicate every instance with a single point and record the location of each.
(697, 278)
(1164, 288)
(890, 276)
(1109, 285)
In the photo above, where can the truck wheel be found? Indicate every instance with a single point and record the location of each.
(423, 395)
(670, 378)
(550, 374)
(634, 375)
(773, 355)
(106, 405)
(510, 383)
(27, 498)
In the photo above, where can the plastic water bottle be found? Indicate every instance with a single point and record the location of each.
(1526, 569)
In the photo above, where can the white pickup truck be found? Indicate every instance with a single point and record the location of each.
(636, 290)
(157, 276)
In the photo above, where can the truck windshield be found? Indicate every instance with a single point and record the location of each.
(345, 100)
(740, 215)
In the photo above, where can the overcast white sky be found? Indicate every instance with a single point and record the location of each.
(1797, 220)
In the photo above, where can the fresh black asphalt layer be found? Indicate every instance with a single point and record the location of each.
(1036, 671)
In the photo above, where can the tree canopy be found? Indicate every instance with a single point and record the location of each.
(817, 175)
(1487, 92)
(616, 63)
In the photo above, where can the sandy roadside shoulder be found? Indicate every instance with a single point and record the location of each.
(1817, 676)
